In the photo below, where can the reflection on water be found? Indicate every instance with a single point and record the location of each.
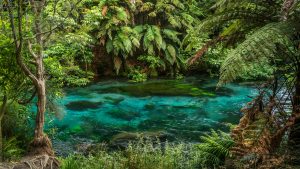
(183, 109)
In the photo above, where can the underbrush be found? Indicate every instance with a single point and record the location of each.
(149, 154)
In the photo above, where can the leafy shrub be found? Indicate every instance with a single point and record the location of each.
(11, 149)
(179, 76)
(16, 124)
(61, 75)
(153, 62)
(135, 75)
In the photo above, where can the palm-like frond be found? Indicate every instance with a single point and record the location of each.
(261, 44)
(214, 148)
(124, 41)
(171, 35)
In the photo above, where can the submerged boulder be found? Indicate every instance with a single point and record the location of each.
(124, 115)
(113, 100)
(83, 105)
(121, 140)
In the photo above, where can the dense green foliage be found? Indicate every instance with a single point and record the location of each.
(258, 32)
(154, 29)
(56, 44)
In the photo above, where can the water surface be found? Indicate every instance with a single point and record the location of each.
(182, 109)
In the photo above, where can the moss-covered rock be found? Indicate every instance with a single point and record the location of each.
(160, 88)
(150, 106)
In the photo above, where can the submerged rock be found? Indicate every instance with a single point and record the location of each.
(83, 105)
(149, 106)
(62, 148)
(122, 140)
(123, 115)
(113, 100)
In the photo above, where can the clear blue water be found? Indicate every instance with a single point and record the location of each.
(183, 109)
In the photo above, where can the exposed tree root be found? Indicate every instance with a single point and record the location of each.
(34, 162)
(41, 146)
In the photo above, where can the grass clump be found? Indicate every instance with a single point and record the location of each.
(146, 154)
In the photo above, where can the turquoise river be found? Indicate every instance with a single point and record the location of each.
(181, 110)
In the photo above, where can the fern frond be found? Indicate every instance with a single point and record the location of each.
(172, 35)
(214, 148)
(170, 54)
(158, 37)
(249, 15)
(262, 43)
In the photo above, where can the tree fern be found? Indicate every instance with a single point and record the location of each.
(255, 22)
(262, 43)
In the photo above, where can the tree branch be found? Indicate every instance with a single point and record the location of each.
(30, 50)
(18, 46)
(204, 49)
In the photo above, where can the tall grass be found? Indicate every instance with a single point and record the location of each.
(146, 154)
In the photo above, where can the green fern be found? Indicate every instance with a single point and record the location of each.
(257, 29)
(214, 148)
(261, 44)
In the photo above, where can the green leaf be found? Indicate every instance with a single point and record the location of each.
(109, 46)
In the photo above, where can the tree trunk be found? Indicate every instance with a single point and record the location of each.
(294, 136)
(41, 107)
(2, 112)
(1, 142)
(41, 143)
